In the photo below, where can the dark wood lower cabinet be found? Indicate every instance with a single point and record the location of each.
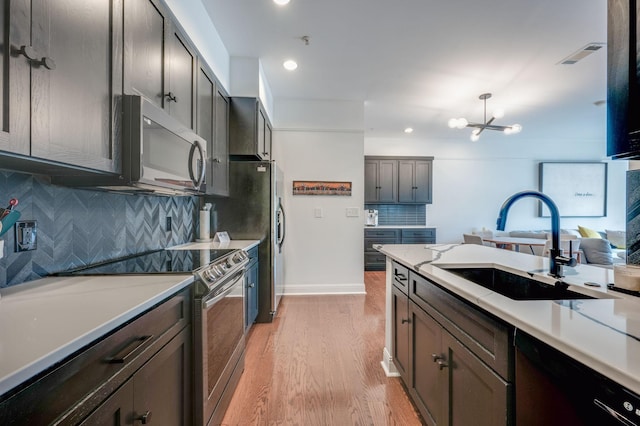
(142, 368)
(448, 382)
(116, 410)
(427, 382)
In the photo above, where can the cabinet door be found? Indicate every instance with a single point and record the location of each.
(251, 308)
(145, 64)
(182, 66)
(422, 181)
(162, 387)
(268, 135)
(406, 181)
(427, 382)
(401, 328)
(476, 395)
(387, 181)
(371, 181)
(117, 410)
(75, 78)
(220, 155)
(262, 126)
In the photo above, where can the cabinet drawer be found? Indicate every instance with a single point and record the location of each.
(381, 233)
(369, 242)
(418, 240)
(98, 370)
(400, 275)
(375, 261)
(485, 336)
(418, 233)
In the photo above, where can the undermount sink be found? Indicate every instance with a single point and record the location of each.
(515, 286)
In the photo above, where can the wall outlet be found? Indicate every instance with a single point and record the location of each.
(317, 212)
(353, 212)
(168, 224)
(26, 235)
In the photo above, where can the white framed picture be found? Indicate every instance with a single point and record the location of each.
(579, 189)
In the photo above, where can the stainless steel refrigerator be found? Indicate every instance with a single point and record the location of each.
(254, 211)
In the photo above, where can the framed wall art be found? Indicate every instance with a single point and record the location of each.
(579, 189)
(306, 187)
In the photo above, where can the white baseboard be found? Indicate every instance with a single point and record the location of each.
(319, 289)
(387, 364)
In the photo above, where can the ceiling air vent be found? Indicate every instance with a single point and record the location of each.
(581, 53)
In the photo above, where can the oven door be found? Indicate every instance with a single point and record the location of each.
(219, 344)
(163, 152)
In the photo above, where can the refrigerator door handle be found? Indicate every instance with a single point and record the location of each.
(281, 225)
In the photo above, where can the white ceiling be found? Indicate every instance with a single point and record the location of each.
(420, 62)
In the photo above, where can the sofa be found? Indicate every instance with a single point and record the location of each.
(597, 248)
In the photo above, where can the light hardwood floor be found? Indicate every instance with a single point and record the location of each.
(318, 363)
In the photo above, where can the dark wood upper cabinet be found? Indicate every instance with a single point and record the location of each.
(160, 61)
(249, 129)
(146, 24)
(65, 75)
(405, 180)
(213, 126)
(623, 79)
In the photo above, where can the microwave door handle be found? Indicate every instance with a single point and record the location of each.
(201, 162)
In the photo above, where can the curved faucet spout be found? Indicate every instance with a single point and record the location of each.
(555, 265)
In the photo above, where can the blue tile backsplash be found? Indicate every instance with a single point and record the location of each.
(76, 227)
(400, 214)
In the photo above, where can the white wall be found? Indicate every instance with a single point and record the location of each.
(193, 17)
(472, 180)
(321, 140)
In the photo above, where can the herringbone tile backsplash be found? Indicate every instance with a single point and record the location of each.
(76, 227)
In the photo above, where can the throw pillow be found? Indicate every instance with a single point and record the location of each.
(596, 250)
(617, 238)
(588, 233)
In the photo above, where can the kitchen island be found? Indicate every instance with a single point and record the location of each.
(599, 333)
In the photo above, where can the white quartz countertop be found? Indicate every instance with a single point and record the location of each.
(44, 321)
(603, 334)
(399, 227)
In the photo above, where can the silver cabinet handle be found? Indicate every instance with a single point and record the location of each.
(130, 350)
(406, 320)
(145, 418)
(442, 364)
(31, 54)
(171, 97)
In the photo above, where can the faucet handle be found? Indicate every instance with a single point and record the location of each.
(568, 261)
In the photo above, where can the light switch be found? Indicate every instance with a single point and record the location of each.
(317, 212)
(353, 212)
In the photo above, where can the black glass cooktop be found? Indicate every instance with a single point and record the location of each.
(155, 262)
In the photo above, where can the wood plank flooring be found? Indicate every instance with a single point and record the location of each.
(318, 363)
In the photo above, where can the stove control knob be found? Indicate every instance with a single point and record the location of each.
(239, 256)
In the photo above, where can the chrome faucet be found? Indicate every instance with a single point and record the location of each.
(556, 260)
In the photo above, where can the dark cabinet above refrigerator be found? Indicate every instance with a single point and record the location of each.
(249, 130)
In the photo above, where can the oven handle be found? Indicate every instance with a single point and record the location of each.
(221, 294)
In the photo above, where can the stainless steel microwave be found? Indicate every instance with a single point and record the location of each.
(160, 155)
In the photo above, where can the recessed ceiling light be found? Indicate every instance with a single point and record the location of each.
(290, 64)
(281, 2)
(408, 130)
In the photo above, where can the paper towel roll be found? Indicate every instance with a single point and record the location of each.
(205, 225)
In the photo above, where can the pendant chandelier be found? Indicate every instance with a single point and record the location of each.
(461, 123)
